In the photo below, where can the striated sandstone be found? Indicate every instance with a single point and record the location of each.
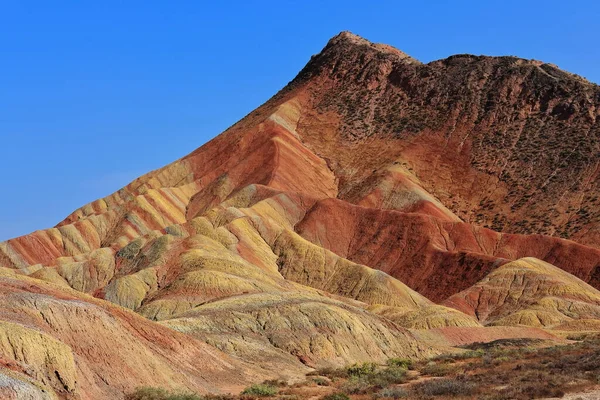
(530, 292)
(321, 230)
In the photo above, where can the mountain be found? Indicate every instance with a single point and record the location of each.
(375, 207)
(533, 293)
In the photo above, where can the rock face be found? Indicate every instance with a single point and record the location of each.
(431, 255)
(503, 142)
(531, 292)
(57, 342)
(375, 207)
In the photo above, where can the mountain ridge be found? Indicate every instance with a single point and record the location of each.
(352, 217)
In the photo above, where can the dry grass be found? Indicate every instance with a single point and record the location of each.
(502, 370)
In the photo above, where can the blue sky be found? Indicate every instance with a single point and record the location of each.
(94, 94)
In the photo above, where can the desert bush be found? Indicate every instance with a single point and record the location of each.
(470, 354)
(392, 393)
(330, 372)
(275, 382)
(501, 359)
(436, 369)
(386, 377)
(356, 385)
(399, 362)
(445, 387)
(361, 369)
(260, 390)
(447, 357)
(375, 379)
(336, 396)
(453, 357)
(321, 381)
(150, 393)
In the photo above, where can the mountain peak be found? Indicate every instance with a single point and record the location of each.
(347, 40)
(347, 37)
(348, 54)
(335, 215)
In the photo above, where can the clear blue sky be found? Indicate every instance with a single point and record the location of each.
(95, 93)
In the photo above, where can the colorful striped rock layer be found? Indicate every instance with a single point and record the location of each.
(375, 207)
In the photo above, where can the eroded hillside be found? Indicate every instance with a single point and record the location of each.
(376, 207)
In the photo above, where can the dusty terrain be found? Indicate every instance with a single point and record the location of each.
(509, 369)
(375, 208)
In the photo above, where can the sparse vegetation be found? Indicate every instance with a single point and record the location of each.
(460, 356)
(331, 373)
(260, 390)
(399, 362)
(445, 387)
(515, 369)
(320, 381)
(437, 369)
(150, 393)
(275, 382)
(395, 392)
(363, 369)
(336, 396)
(370, 377)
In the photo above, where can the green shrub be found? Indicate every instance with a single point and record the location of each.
(470, 354)
(330, 372)
(435, 369)
(399, 362)
(387, 376)
(356, 385)
(369, 381)
(150, 393)
(361, 369)
(260, 390)
(336, 396)
(459, 356)
(321, 381)
(501, 359)
(275, 382)
(392, 393)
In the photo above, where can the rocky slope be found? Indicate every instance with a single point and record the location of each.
(530, 292)
(56, 342)
(376, 207)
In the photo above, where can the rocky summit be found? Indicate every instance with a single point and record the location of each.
(376, 207)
